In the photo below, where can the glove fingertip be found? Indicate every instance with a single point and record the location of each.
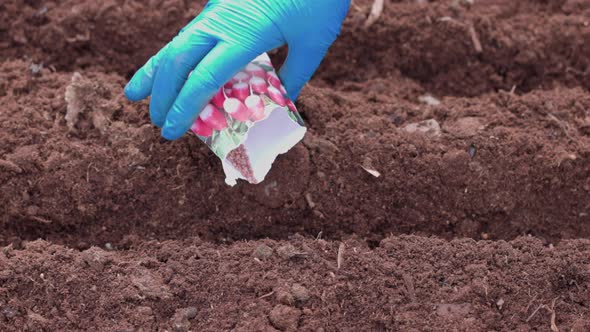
(172, 130)
(130, 92)
(171, 133)
(293, 86)
(134, 91)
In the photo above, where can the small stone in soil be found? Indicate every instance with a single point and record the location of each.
(428, 99)
(190, 312)
(428, 127)
(95, 258)
(180, 319)
(263, 251)
(287, 251)
(300, 293)
(284, 317)
(284, 297)
(9, 312)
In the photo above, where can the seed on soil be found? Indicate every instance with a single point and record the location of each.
(263, 252)
(472, 150)
(36, 69)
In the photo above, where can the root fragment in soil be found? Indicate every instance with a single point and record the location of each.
(551, 311)
(10, 166)
(410, 290)
(266, 295)
(41, 220)
(561, 124)
(475, 39)
(340, 258)
(375, 13)
(368, 167)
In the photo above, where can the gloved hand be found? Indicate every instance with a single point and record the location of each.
(222, 39)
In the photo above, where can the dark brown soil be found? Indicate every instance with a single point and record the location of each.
(407, 284)
(498, 150)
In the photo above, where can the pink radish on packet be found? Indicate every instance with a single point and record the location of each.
(213, 117)
(201, 129)
(249, 122)
(241, 91)
(218, 99)
(273, 79)
(236, 109)
(282, 89)
(276, 96)
(255, 70)
(228, 92)
(256, 107)
(291, 105)
(258, 85)
(241, 77)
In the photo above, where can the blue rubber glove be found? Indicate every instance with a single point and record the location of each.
(225, 37)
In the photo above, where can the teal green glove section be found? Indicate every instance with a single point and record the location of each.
(224, 38)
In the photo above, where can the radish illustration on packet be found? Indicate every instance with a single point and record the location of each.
(249, 122)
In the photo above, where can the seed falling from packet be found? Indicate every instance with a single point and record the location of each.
(249, 122)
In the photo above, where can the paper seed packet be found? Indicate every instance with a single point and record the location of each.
(249, 122)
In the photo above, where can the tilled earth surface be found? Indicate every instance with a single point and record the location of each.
(476, 116)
